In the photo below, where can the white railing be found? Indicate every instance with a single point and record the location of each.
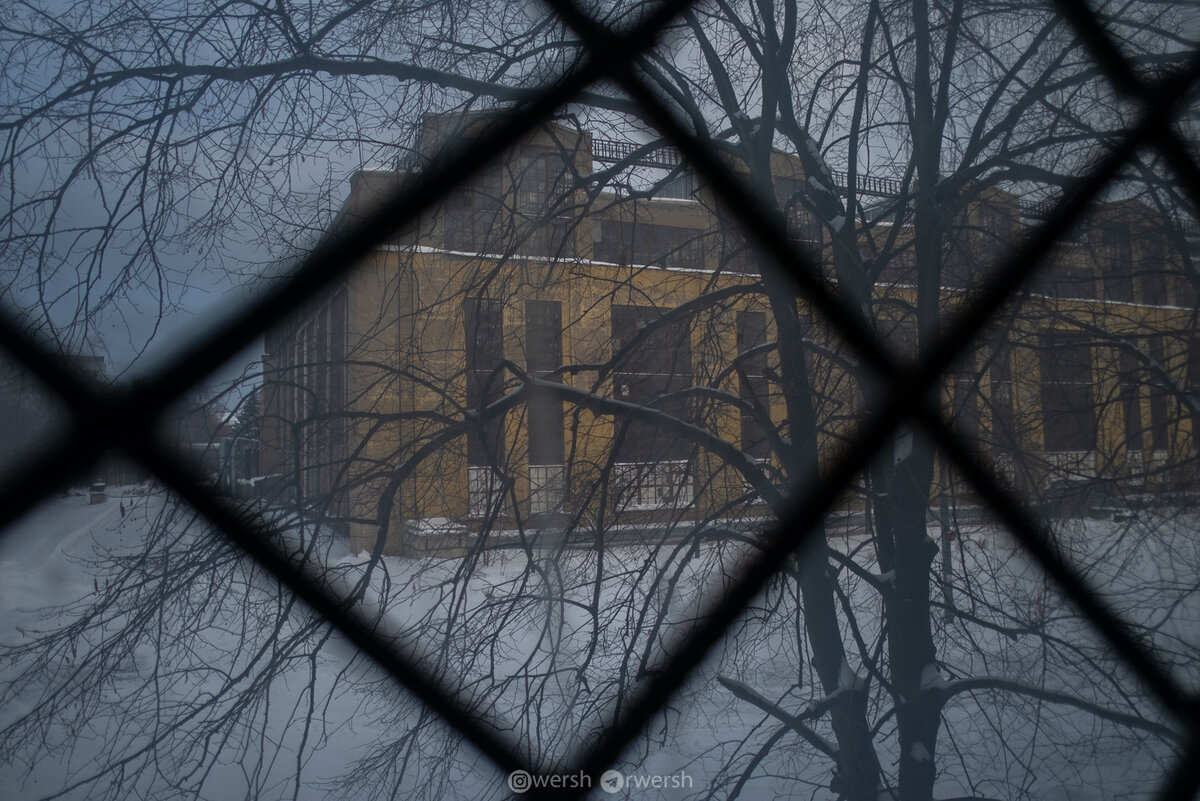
(1072, 464)
(485, 491)
(1005, 466)
(547, 487)
(1139, 467)
(1135, 464)
(651, 485)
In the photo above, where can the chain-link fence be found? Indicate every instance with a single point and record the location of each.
(124, 418)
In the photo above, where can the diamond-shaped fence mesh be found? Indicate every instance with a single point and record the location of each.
(105, 419)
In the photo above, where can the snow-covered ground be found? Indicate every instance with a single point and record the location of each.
(172, 668)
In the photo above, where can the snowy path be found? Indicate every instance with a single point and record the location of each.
(517, 627)
(35, 569)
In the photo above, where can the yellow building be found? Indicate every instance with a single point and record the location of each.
(508, 364)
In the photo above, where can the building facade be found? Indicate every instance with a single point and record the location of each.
(550, 348)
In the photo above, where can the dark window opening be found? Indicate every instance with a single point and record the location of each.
(1159, 433)
(543, 354)
(1003, 404)
(753, 387)
(1068, 280)
(964, 400)
(651, 244)
(484, 323)
(472, 215)
(1154, 277)
(657, 366)
(1067, 388)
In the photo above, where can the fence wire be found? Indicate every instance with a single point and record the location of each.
(125, 418)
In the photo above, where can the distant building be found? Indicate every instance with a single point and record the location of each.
(372, 392)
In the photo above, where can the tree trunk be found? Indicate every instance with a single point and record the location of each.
(905, 472)
(858, 771)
